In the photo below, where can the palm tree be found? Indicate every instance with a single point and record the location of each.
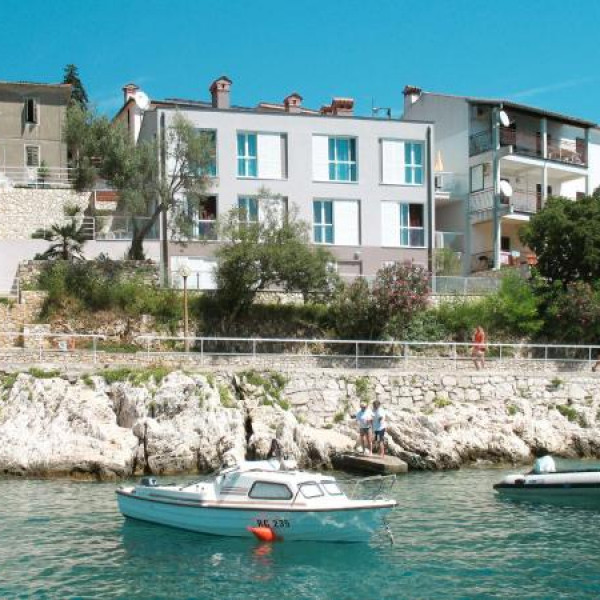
(67, 242)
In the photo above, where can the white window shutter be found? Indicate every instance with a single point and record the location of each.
(274, 208)
(345, 223)
(392, 162)
(269, 155)
(390, 224)
(320, 148)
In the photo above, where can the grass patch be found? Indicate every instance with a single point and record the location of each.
(88, 381)
(363, 392)
(569, 412)
(440, 402)
(273, 384)
(338, 417)
(7, 381)
(7, 301)
(512, 410)
(225, 397)
(556, 382)
(42, 374)
(136, 376)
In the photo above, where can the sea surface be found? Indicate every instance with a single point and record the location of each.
(453, 538)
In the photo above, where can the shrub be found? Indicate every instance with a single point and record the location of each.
(42, 374)
(569, 412)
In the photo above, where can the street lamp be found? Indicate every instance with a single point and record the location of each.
(184, 271)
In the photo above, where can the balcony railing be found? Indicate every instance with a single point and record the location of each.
(204, 230)
(522, 200)
(36, 177)
(113, 228)
(482, 261)
(529, 143)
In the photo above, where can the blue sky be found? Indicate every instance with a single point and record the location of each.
(539, 52)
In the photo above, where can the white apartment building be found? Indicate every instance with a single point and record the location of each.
(498, 162)
(365, 185)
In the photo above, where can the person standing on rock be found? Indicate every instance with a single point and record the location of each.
(364, 418)
(379, 427)
(478, 352)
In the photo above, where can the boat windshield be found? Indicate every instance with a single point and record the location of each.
(311, 489)
(332, 488)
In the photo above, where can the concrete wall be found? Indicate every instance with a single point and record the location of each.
(299, 187)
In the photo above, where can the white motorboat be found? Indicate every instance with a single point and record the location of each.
(263, 500)
(564, 485)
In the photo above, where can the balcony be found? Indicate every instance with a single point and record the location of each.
(529, 143)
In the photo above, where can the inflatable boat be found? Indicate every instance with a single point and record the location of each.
(567, 485)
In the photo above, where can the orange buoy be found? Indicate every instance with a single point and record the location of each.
(264, 534)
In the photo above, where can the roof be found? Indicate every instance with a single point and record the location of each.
(522, 107)
(59, 87)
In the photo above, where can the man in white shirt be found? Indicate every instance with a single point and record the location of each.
(364, 418)
(379, 423)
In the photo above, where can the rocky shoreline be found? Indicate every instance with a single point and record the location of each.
(128, 423)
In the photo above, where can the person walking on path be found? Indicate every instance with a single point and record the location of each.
(364, 418)
(478, 352)
(379, 427)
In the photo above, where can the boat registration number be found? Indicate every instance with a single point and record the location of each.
(273, 523)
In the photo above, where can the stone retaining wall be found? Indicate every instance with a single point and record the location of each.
(24, 210)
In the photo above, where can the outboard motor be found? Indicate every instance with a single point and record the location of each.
(149, 482)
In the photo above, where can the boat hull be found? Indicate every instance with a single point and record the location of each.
(333, 525)
(571, 486)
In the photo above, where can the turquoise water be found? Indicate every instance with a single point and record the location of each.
(454, 538)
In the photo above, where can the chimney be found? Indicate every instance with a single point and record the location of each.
(411, 95)
(341, 107)
(219, 90)
(129, 91)
(292, 102)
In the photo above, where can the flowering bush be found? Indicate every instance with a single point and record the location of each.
(398, 293)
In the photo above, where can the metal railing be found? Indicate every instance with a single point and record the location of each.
(522, 200)
(47, 344)
(355, 353)
(36, 177)
(530, 143)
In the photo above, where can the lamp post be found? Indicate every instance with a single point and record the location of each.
(184, 271)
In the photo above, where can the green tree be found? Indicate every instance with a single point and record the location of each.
(271, 252)
(102, 149)
(565, 236)
(78, 94)
(67, 242)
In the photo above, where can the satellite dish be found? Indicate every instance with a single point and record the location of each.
(141, 99)
(506, 188)
(504, 120)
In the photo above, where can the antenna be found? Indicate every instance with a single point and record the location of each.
(142, 101)
(375, 110)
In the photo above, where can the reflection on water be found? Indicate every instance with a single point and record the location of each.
(454, 538)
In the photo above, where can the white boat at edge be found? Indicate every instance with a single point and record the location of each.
(258, 498)
(569, 485)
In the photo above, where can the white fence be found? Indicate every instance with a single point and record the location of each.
(36, 177)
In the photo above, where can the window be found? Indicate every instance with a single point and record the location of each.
(31, 110)
(311, 490)
(401, 162)
(32, 156)
(342, 159)
(336, 222)
(477, 178)
(210, 139)
(402, 224)
(266, 490)
(323, 221)
(413, 163)
(248, 207)
(247, 156)
(204, 216)
(412, 232)
(334, 158)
